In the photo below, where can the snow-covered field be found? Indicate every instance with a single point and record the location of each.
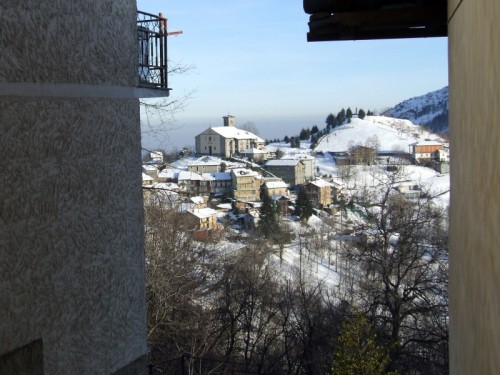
(388, 133)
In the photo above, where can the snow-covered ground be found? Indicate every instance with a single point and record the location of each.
(389, 134)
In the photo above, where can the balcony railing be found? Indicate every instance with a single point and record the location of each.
(152, 51)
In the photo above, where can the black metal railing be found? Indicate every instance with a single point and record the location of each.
(152, 50)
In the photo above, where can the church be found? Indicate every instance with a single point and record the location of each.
(226, 141)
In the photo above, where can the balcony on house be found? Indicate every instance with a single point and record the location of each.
(152, 53)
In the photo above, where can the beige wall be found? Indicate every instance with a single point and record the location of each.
(474, 52)
(71, 238)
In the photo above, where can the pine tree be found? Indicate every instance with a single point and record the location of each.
(303, 205)
(358, 352)
(348, 113)
(330, 121)
(268, 218)
(361, 114)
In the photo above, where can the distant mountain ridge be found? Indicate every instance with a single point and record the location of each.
(429, 110)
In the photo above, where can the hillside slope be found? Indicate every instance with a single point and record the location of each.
(390, 134)
(429, 110)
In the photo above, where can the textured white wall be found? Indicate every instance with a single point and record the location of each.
(80, 41)
(474, 52)
(71, 237)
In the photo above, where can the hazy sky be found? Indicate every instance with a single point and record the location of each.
(252, 60)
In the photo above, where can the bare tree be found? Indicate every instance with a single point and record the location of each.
(402, 260)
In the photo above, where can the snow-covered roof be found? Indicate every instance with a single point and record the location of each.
(168, 174)
(206, 160)
(320, 183)
(192, 176)
(233, 132)
(203, 213)
(299, 156)
(148, 167)
(166, 186)
(145, 177)
(282, 163)
(277, 197)
(427, 143)
(254, 151)
(224, 206)
(244, 172)
(276, 184)
(217, 176)
(197, 200)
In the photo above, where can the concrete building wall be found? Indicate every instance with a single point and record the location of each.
(210, 143)
(71, 232)
(474, 53)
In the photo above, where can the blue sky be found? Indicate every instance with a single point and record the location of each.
(251, 60)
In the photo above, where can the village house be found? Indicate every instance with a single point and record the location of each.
(147, 180)
(282, 204)
(319, 193)
(193, 184)
(221, 183)
(168, 175)
(205, 164)
(256, 155)
(309, 162)
(425, 150)
(291, 171)
(206, 218)
(226, 141)
(275, 186)
(246, 184)
(198, 202)
(156, 156)
(151, 170)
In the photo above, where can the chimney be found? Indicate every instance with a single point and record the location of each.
(229, 120)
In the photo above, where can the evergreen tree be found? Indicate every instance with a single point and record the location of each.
(305, 133)
(358, 351)
(361, 114)
(268, 218)
(315, 129)
(286, 139)
(303, 205)
(295, 143)
(348, 113)
(341, 117)
(330, 121)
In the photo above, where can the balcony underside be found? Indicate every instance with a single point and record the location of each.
(335, 20)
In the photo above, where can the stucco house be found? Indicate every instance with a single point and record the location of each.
(291, 171)
(246, 184)
(425, 150)
(309, 162)
(319, 192)
(227, 140)
(275, 187)
(205, 164)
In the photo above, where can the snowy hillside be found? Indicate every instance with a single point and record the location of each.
(389, 134)
(429, 110)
